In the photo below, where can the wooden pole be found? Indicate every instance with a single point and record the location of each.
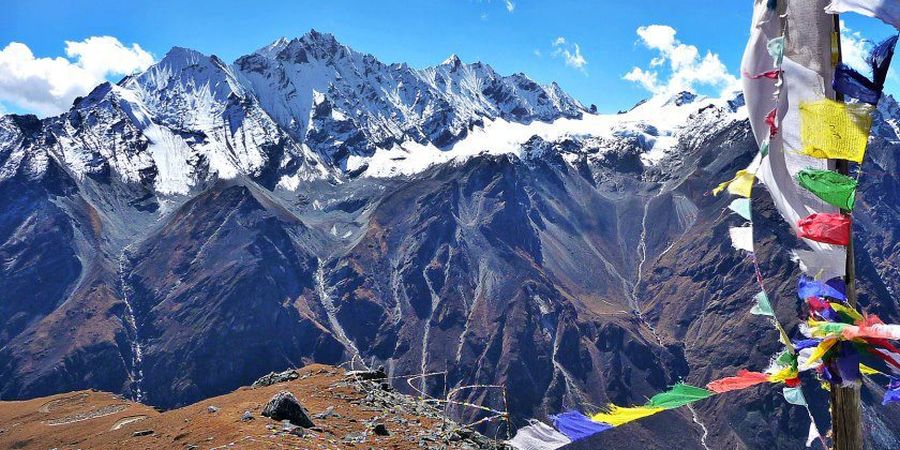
(845, 402)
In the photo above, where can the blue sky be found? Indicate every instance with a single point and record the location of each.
(599, 44)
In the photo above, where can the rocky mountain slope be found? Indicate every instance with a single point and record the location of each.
(308, 203)
(344, 412)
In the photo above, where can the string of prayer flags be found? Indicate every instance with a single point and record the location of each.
(762, 307)
(888, 11)
(835, 130)
(577, 426)
(828, 228)
(618, 415)
(742, 380)
(742, 238)
(836, 189)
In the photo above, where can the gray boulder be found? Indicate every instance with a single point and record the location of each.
(284, 406)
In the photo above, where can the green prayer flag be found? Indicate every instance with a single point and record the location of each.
(786, 359)
(681, 394)
(794, 396)
(832, 187)
(741, 206)
(763, 307)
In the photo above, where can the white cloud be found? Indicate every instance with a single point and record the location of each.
(686, 68)
(510, 6)
(48, 86)
(105, 55)
(570, 52)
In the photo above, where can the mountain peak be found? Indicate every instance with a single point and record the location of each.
(682, 98)
(452, 61)
(183, 54)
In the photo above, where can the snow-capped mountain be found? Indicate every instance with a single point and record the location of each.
(182, 232)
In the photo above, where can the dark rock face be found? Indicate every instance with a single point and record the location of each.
(284, 406)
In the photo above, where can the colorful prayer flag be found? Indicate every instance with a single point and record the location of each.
(829, 228)
(618, 415)
(835, 130)
(742, 207)
(681, 394)
(762, 307)
(576, 426)
(836, 189)
(742, 380)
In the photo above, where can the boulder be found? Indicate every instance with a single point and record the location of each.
(284, 406)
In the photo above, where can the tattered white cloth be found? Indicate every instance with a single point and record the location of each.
(538, 436)
(886, 10)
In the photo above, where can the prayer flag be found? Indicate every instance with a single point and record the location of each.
(577, 426)
(807, 287)
(538, 436)
(794, 396)
(888, 11)
(835, 130)
(836, 189)
(762, 307)
(681, 394)
(618, 415)
(742, 238)
(742, 380)
(830, 228)
(741, 206)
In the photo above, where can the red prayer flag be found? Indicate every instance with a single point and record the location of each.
(772, 75)
(743, 380)
(830, 228)
(770, 121)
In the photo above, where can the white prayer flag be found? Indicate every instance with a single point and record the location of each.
(886, 10)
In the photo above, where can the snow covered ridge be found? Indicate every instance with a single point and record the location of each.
(656, 125)
(312, 108)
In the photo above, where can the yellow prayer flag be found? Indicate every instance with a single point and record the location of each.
(866, 370)
(618, 415)
(820, 351)
(835, 130)
(741, 184)
(784, 374)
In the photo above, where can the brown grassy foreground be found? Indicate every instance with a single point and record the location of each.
(99, 420)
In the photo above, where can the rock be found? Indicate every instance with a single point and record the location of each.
(368, 374)
(142, 433)
(287, 426)
(276, 377)
(329, 412)
(212, 409)
(247, 416)
(357, 437)
(284, 406)
(380, 430)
